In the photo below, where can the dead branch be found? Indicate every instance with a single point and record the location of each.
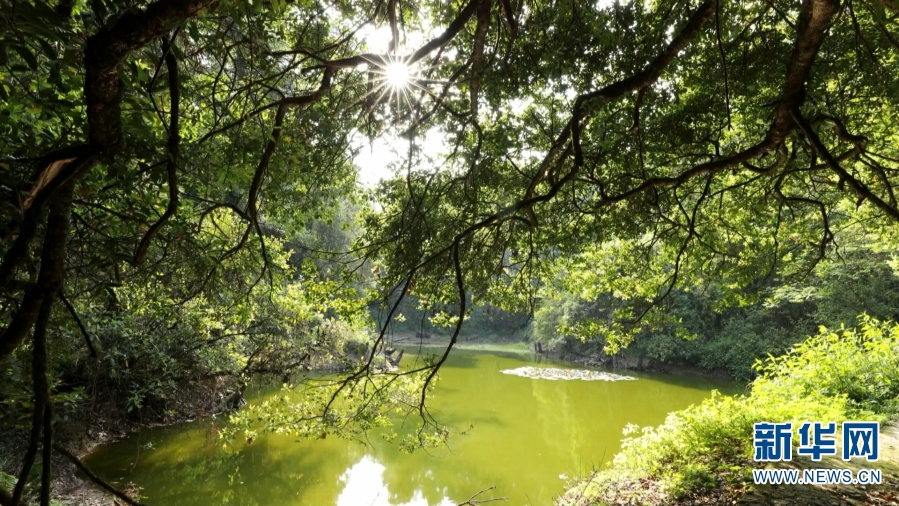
(474, 501)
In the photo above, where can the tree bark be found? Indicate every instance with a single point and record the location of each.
(47, 287)
(104, 55)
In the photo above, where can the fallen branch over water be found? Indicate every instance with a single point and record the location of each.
(96, 479)
(474, 501)
(552, 373)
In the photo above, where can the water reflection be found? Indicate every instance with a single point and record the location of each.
(365, 486)
(527, 437)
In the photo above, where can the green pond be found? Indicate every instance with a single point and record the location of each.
(530, 438)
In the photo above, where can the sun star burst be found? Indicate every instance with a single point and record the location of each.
(397, 74)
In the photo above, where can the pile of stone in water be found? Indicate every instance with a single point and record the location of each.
(552, 373)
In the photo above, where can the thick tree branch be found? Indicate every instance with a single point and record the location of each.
(104, 55)
(41, 394)
(641, 80)
(103, 58)
(813, 24)
(51, 275)
(44, 294)
(33, 216)
(616, 90)
(449, 34)
(857, 186)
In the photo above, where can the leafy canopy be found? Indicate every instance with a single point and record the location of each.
(163, 154)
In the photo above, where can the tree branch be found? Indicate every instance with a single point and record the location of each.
(105, 53)
(857, 186)
(173, 148)
(84, 333)
(93, 477)
(51, 275)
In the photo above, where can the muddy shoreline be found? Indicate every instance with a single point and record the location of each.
(95, 424)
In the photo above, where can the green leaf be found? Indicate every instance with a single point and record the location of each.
(26, 55)
(47, 48)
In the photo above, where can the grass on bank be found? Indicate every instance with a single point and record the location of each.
(850, 374)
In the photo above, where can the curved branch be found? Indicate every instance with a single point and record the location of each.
(173, 147)
(460, 286)
(449, 34)
(105, 53)
(857, 186)
(81, 327)
(103, 90)
(616, 90)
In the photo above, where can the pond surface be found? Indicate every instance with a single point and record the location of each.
(530, 437)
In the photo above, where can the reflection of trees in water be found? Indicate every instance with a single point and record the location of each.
(426, 474)
(366, 484)
(526, 433)
(185, 468)
(567, 413)
(572, 413)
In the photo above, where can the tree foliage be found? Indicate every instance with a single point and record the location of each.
(156, 153)
(659, 148)
(835, 375)
(703, 327)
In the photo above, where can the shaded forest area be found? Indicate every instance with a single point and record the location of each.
(777, 315)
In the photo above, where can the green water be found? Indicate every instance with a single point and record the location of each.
(530, 437)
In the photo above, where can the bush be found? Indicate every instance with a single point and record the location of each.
(860, 365)
(834, 376)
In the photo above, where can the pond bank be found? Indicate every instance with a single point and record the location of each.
(651, 492)
(704, 454)
(529, 435)
(93, 425)
(627, 363)
(71, 489)
(623, 362)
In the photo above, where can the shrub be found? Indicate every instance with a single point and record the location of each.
(834, 376)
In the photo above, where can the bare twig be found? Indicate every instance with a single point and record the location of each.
(474, 501)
